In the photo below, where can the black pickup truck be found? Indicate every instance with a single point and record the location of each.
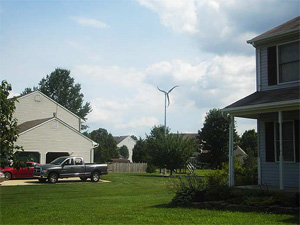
(66, 166)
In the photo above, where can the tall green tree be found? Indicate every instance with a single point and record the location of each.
(140, 152)
(214, 137)
(249, 142)
(124, 152)
(107, 148)
(153, 142)
(60, 86)
(8, 127)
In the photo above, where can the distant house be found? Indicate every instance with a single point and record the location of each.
(240, 154)
(128, 141)
(48, 130)
(275, 106)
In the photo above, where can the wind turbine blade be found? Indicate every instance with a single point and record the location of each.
(161, 90)
(172, 88)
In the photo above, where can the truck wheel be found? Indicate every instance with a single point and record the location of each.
(52, 178)
(42, 180)
(83, 178)
(7, 175)
(95, 177)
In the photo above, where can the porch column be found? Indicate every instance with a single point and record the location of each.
(280, 149)
(259, 181)
(231, 158)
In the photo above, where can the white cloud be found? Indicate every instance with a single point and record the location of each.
(222, 26)
(140, 122)
(180, 15)
(131, 103)
(13, 94)
(88, 22)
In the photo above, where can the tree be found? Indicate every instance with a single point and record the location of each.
(134, 137)
(173, 151)
(249, 142)
(140, 152)
(214, 137)
(152, 144)
(124, 152)
(59, 86)
(8, 128)
(107, 148)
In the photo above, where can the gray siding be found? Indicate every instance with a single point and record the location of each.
(264, 67)
(270, 170)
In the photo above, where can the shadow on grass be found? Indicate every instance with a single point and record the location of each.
(244, 209)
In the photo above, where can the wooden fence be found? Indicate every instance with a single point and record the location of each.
(127, 167)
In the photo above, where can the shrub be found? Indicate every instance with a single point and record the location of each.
(150, 168)
(187, 189)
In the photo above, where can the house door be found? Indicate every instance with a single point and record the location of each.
(50, 156)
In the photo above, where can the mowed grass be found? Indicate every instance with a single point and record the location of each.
(127, 199)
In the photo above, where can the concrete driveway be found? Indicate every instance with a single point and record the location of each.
(17, 182)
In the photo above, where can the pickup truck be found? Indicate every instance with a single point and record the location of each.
(66, 166)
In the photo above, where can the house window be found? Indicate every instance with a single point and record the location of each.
(288, 141)
(289, 62)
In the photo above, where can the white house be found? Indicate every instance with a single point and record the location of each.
(48, 130)
(275, 106)
(128, 141)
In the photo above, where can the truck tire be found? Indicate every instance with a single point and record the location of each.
(95, 177)
(52, 178)
(42, 180)
(83, 178)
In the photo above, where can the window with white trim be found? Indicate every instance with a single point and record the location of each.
(289, 62)
(288, 141)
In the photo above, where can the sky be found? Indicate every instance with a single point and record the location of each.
(120, 51)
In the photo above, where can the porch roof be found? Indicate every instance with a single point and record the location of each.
(266, 101)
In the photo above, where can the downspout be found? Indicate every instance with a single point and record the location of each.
(258, 81)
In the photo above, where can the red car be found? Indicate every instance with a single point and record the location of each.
(25, 172)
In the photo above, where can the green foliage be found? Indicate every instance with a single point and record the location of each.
(140, 152)
(59, 86)
(150, 168)
(8, 127)
(171, 151)
(214, 138)
(124, 152)
(249, 142)
(134, 137)
(242, 175)
(107, 148)
(187, 189)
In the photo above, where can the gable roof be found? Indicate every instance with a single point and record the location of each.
(291, 26)
(30, 125)
(119, 139)
(41, 93)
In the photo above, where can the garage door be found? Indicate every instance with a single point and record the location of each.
(50, 156)
(28, 156)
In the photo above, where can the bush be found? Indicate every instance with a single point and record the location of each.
(150, 168)
(187, 189)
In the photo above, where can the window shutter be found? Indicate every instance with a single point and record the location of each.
(297, 147)
(272, 66)
(269, 138)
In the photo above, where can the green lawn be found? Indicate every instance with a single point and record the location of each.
(128, 199)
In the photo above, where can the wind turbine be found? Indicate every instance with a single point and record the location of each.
(167, 98)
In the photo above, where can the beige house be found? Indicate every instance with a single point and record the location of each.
(48, 130)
